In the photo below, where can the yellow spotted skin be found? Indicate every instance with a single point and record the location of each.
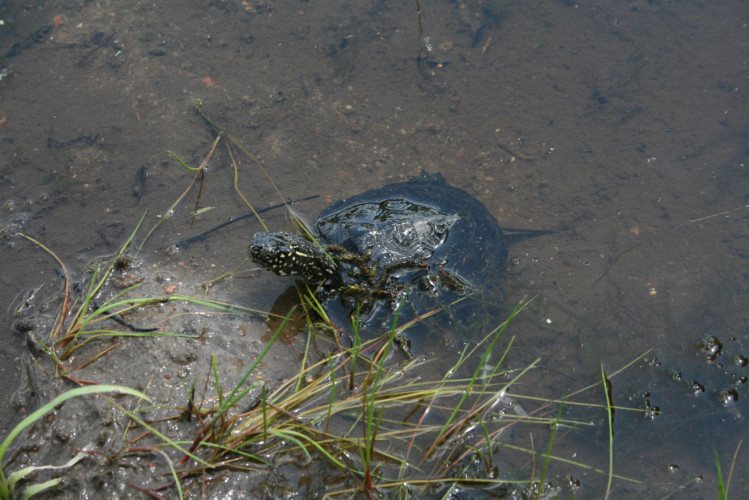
(399, 251)
(289, 254)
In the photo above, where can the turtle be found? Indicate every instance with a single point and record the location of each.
(408, 247)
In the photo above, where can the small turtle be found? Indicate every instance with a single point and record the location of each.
(413, 246)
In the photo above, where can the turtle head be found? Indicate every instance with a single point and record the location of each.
(288, 254)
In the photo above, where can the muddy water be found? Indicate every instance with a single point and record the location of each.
(623, 127)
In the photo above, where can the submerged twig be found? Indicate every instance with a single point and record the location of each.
(170, 210)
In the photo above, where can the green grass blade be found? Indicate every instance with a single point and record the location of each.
(719, 477)
(232, 399)
(217, 381)
(733, 464)
(300, 438)
(35, 489)
(548, 450)
(332, 392)
(497, 334)
(22, 473)
(181, 162)
(610, 419)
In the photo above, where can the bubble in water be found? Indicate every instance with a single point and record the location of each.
(728, 396)
(427, 43)
(711, 347)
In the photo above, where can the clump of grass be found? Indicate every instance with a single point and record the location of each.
(296, 417)
(80, 319)
(378, 421)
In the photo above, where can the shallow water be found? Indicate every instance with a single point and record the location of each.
(622, 127)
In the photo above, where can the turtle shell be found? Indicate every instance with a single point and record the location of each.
(411, 246)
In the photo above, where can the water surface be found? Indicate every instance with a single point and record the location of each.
(621, 126)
